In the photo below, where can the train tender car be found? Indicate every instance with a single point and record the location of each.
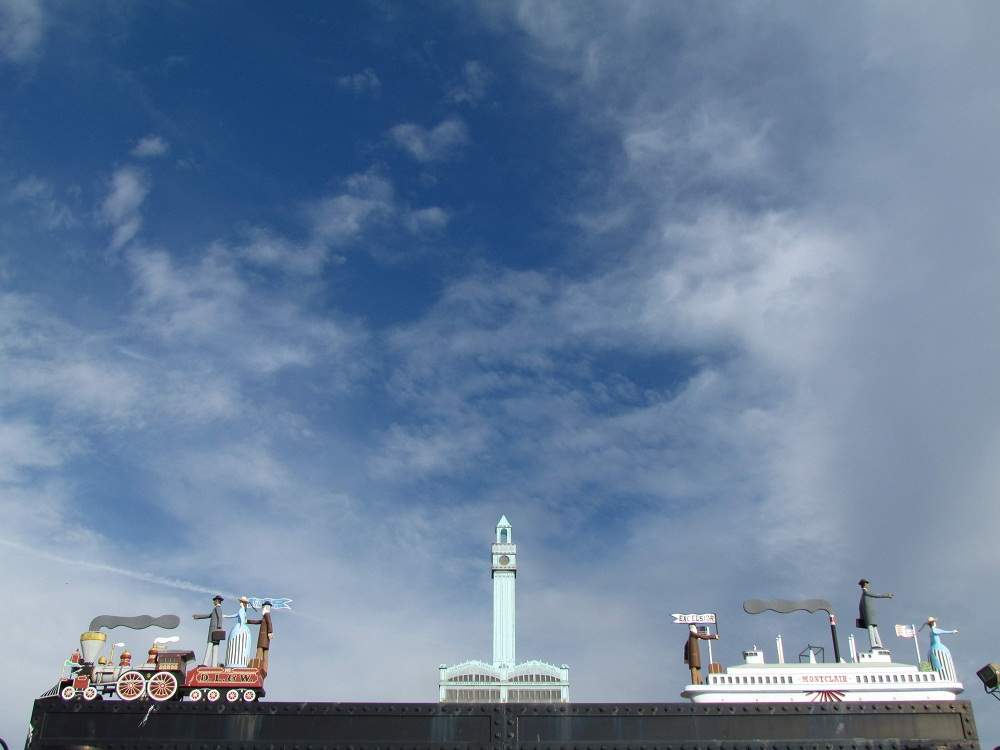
(234, 684)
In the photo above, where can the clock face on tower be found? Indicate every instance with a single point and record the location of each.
(504, 559)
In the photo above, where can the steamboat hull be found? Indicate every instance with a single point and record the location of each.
(117, 725)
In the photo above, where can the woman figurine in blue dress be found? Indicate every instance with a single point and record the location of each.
(939, 655)
(238, 643)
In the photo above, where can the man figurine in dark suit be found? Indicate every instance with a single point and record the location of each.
(264, 636)
(215, 632)
(692, 651)
(867, 618)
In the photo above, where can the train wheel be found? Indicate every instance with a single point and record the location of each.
(249, 695)
(89, 693)
(232, 695)
(196, 694)
(130, 685)
(68, 693)
(213, 695)
(162, 686)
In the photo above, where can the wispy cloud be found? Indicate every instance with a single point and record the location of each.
(330, 224)
(338, 218)
(362, 82)
(443, 141)
(150, 146)
(22, 26)
(128, 188)
(471, 88)
(428, 219)
(209, 305)
(37, 193)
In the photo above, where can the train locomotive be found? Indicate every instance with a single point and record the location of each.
(165, 675)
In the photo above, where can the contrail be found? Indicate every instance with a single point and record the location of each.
(174, 583)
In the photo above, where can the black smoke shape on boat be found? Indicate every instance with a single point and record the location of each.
(784, 606)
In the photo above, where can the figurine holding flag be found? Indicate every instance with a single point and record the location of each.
(697, 630)
(939, 655)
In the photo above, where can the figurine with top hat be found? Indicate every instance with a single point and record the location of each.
(215, 631)
(867, 619)
(264, 636)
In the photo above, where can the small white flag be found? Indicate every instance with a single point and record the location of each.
(905, 631)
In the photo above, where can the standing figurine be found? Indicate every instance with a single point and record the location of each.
(692, 652)
(866, 610)
(264, 636)
(238, 647)
(939, 656)
(215, 632)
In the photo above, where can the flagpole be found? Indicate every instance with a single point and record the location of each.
(916, 644)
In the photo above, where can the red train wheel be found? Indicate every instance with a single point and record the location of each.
(130, 685)
(162, 686)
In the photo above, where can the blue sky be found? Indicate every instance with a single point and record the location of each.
(299, 302)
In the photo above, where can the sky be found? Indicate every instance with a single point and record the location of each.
(297, 301)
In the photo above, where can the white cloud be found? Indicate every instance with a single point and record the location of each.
(331, 224)
(471, 89)
(22, 25)
(81, 376)
(23, 448)
(362, 82)
(443, 141)
(426, 451)
(150, 146)
(263, 247)
(128, 189)
(713, 138)
(428, 219)
(339, 218)
(207, 307)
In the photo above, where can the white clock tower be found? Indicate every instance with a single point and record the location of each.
(504, 573)
(503, 680)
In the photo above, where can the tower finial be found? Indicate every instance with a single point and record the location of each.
(503, 531)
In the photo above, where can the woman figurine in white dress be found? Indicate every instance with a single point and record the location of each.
(238, 642)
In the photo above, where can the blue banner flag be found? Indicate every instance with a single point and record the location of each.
(277, 602)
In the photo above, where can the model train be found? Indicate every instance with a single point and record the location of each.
(164, 676)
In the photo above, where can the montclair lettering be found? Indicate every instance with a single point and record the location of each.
(824, 678)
